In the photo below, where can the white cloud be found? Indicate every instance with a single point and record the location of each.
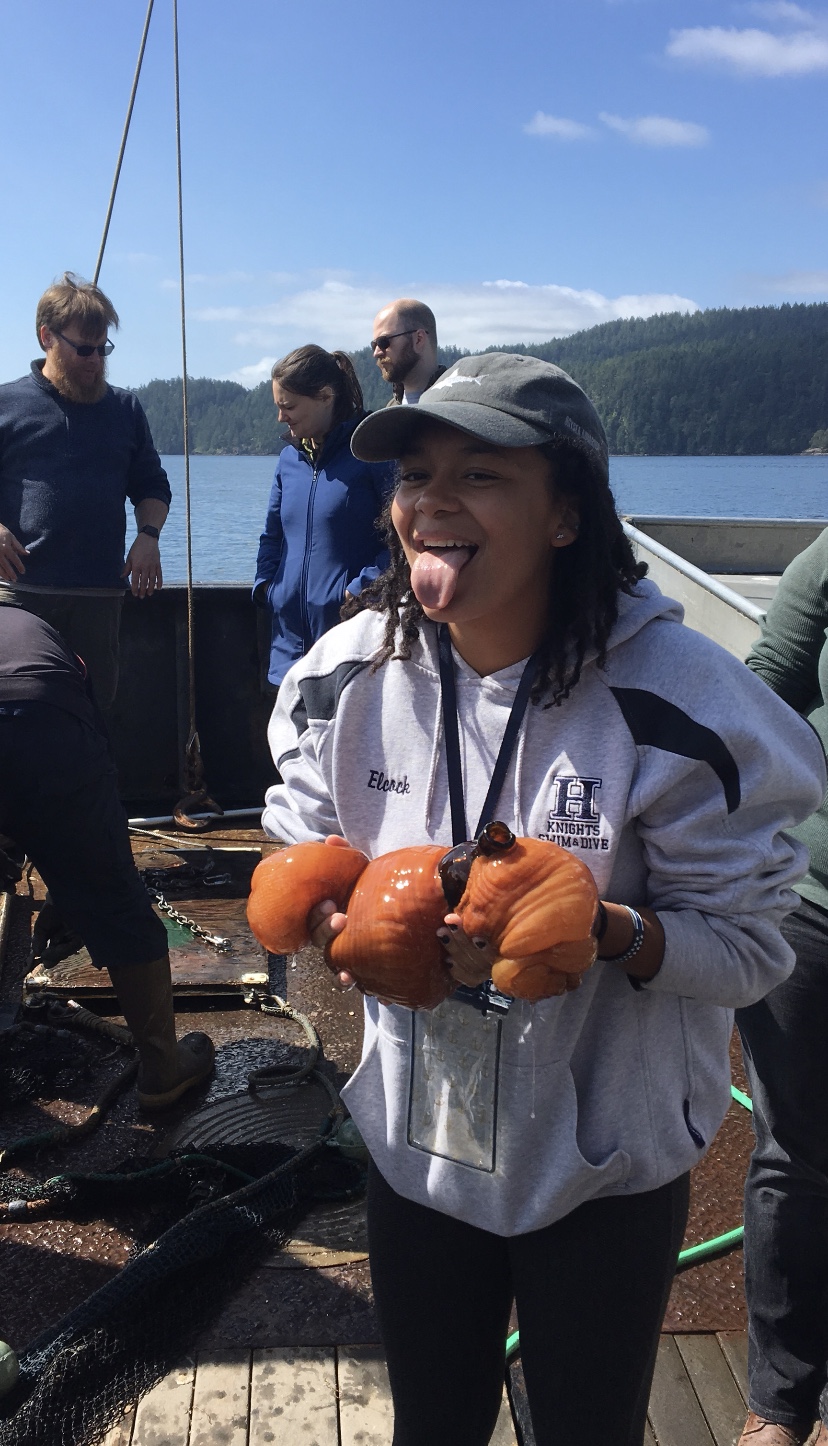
(338, 314)
(645, 130)
(252, 375)
(218, 313)
(542, 124)
(218, 278)
(799, 283)
(657, 130)
(779, 10)
(231, 278)
(751, 52)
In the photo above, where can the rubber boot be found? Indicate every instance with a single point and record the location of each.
(169, 1067)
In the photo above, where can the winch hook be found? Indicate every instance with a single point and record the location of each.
(197, 799)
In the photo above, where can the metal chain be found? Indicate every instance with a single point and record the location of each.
(214, 940)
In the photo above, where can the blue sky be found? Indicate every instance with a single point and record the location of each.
(529, 169)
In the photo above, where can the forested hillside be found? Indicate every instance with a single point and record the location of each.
(225, 418)
(716, 383)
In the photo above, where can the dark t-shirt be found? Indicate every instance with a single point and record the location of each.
(66, 472)
(37, 666)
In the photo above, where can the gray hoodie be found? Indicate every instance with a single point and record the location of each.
(673, 771)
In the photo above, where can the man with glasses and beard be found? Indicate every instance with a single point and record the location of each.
(405, 349)
(72, 450)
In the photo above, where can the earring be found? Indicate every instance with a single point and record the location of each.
(558, 536)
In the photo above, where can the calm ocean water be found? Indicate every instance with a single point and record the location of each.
(229, 499)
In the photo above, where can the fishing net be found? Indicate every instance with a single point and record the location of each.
(78, 1377)
(172, 1187)
(36, 1060)
(235, 1205)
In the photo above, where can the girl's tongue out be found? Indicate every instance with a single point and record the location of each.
(434, 574)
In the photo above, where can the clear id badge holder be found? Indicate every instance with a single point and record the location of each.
(452, 1111)
(455, 1056)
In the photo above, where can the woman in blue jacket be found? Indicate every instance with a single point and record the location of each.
(320, 543)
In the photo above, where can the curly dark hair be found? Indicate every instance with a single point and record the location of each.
(583, 596)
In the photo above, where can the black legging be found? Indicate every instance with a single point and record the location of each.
(591, 1292)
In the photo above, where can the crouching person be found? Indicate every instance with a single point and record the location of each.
(59, 802)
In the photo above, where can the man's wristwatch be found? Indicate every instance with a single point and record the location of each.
(150, 531)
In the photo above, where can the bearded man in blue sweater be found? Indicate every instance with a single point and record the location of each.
(72, 450)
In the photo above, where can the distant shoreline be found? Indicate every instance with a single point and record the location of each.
(809, 452)
(718, 383)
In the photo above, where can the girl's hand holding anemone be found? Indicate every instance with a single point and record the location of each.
(325, 921)
(472, 958)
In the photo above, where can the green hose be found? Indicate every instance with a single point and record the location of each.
(694, 1254)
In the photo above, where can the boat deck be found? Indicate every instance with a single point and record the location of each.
(283, 1360)
(340, 1397)
(758, 587)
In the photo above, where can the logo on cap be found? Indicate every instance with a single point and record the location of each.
(580, 431)
(451, 381)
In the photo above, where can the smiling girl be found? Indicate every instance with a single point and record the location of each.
(540, 1153)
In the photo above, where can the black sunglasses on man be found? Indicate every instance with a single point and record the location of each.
(86, 348)
(382, 343)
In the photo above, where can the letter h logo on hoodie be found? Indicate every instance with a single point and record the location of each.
(574, 798)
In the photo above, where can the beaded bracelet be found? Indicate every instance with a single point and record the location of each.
(637, 939)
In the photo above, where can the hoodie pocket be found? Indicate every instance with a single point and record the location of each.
(376, 1094)
(554, 1147)
(689, 1099)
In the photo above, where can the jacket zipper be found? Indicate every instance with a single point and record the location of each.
(326, 450)
(306, 636)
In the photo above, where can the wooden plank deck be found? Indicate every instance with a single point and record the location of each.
(324, 1396)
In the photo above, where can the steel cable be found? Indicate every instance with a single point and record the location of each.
(197, 795)
(119, 162)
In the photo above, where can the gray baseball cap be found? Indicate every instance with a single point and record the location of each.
(511, 401)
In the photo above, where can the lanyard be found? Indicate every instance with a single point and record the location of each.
(448, 688)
